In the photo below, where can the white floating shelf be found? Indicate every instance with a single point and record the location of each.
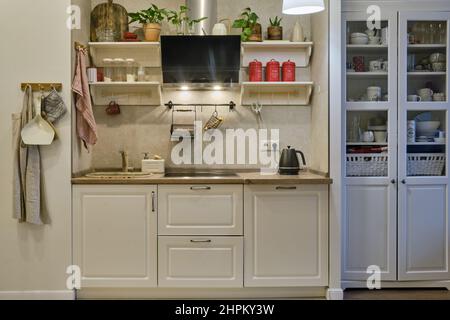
(126, 93)
(277, 93)
(298, 52)
(146, 54)
(366, 74)
(426, 73)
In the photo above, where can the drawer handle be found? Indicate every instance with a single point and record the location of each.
(202, 241)
(201, 188)
(286, 188)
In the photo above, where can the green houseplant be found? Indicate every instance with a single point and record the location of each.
(275, 30)
(182, 22)
(151, 20)
(248, 22)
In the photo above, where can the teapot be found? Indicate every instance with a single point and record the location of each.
(289, 164)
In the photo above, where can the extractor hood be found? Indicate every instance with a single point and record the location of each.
(201, 61)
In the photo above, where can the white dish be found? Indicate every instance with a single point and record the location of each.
(359, 35)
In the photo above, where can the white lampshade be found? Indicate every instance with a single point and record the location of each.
(302, 6)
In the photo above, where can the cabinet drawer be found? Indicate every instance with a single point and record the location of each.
(200, 210)
(200, 262)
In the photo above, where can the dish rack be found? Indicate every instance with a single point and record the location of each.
(367, 165)
(425, 164)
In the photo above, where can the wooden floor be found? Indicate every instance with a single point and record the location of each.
(397, 294)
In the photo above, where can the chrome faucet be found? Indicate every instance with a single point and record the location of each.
(125, 162)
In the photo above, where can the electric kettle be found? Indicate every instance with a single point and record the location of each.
(289, 164)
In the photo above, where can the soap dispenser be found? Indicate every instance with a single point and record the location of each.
(155, 165)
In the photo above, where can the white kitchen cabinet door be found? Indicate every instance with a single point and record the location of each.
(423, 231)
(115, 235)
(200, 210)
(370, 231)
(200, 262)
(286, 236)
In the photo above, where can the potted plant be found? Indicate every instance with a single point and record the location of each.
(151, 21)
(275, 30)
(182, 22)
(248, 22)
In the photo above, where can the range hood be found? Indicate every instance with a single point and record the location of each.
(201, 61)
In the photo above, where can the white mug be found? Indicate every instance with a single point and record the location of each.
(368, 136)
(375, 65)
(414, 98)
(219, 29)
(425, 94)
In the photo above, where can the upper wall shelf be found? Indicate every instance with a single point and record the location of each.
(277, 93)
(146, 54)
(126, 93)
(299, 52)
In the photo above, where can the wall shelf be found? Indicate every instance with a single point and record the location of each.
(146, 54)
(277, 93)
(127, 93)
(368, 74)
(298, 52)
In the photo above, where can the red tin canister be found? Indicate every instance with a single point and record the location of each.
(288, 71)
(255, 71)
(273, 71)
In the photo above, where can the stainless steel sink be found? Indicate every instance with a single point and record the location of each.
(117, 174)
(200, 174)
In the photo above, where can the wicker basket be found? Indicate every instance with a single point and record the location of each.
(426, 164)
(367, 165)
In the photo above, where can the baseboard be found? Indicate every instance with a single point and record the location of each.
(335, 294)
(397, 284)
(197, 293)
(37, 295)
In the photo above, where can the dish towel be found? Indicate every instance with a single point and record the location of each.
(86, 125)
(27, 168)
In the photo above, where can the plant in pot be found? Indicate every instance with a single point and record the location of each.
(275, 30)
(184, 25)
(248, 22)
(151, 20)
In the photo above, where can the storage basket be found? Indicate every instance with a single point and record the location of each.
(367, 165)
(426, 164)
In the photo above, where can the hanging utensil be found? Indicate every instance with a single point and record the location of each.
(214, 122)
(38, 131)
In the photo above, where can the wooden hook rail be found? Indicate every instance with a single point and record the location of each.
(80, 46)
(38, 86)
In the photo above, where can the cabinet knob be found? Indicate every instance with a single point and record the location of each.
(201, 188)
(403, 181)
(393, 181)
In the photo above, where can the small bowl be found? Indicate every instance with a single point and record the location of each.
(359, 35)
(359, 40)
(426, 128)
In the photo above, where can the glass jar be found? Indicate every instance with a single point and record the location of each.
(141, 74)
(108, 70)
(119, 70)
(131, 70)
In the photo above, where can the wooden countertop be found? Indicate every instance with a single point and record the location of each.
(241, 178)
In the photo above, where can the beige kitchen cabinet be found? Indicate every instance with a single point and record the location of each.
(200, 210)
(115, 235)
(286, 236)
(200, 262)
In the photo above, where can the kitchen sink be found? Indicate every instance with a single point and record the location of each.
(117, 174)
(208, 174)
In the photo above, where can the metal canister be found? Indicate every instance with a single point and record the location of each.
(289, 71)
(273, 71)
(255, 71)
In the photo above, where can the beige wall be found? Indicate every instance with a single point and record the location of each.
(36, 48)
(147, 129)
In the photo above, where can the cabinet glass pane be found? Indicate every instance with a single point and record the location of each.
(426, 150)
(367, 62)
(426, 61)
(367, 144)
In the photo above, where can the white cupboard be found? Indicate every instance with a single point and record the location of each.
(115, 235)
(286, 236)
(200, 262)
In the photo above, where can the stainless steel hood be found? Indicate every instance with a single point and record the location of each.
(203, 8)
(201, 61)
